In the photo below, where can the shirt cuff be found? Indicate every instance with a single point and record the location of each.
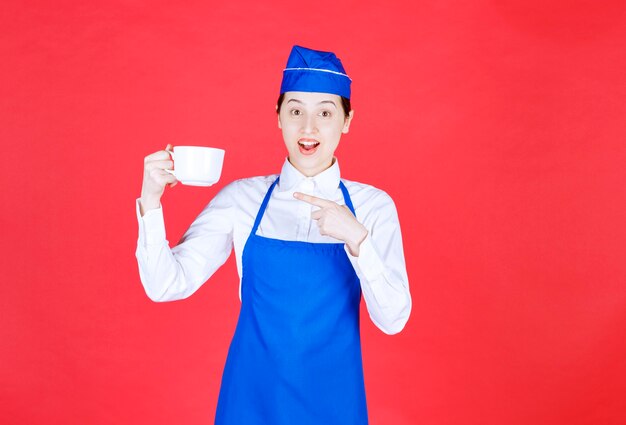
(368, 264)
(151, 225)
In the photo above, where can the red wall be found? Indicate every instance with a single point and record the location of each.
(497, 126)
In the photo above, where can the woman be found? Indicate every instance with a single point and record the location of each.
(307, 243)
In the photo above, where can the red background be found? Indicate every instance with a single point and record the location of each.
(497, 126)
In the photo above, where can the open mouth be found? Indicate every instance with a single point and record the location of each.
(308, 146)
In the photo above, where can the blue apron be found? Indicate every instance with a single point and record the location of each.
(295, 358)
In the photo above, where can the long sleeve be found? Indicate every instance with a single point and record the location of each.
(382, 270)
(169, 274)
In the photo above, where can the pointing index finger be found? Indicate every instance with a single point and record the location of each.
(313, 200)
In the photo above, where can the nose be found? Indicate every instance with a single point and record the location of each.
(309, 124)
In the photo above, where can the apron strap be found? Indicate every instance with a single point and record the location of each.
(346, 197)
(259, 216)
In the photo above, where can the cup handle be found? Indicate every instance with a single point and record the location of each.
(171, 171)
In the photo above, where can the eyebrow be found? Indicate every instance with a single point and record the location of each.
(323, 101)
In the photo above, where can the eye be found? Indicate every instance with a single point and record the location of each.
(296, 112)
(325, 114)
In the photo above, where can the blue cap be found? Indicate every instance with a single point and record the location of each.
(315, 71)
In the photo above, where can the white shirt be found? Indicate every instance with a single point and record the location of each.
(176, 273)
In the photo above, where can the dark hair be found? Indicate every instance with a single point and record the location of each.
(345, 103)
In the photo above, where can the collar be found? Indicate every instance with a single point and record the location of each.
(327, 181)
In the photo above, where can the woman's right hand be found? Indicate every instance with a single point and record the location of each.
(155, 178)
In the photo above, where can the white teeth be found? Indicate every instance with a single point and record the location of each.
(308, 143)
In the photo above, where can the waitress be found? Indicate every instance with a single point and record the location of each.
(308, 244)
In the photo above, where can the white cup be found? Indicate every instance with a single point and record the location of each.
(197, 165)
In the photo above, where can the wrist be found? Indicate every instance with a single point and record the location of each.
(354, 245)
(148, 203)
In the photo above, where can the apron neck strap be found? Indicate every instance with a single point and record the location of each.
(259, 215)
(346, 197)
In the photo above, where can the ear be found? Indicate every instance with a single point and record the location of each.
(278, 116)
(346, 123)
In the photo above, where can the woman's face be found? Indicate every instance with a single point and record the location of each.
(312, 124)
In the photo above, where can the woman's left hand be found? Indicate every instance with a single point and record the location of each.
(336, 221)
